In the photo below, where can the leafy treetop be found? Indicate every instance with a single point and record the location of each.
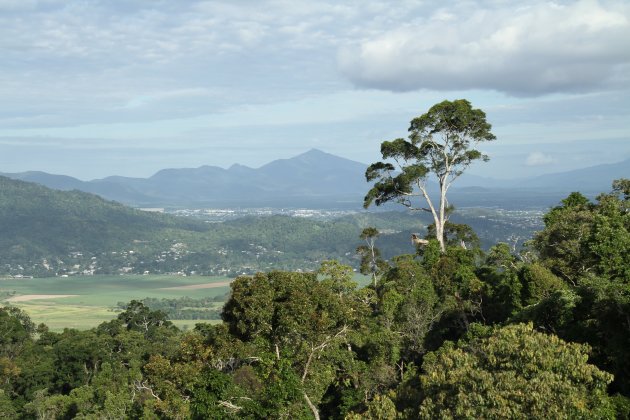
(440, 142)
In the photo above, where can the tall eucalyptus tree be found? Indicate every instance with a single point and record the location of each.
(441, 142)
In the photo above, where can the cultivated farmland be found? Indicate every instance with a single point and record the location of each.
(83, 302)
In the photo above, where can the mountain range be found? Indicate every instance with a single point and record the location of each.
(313, 179)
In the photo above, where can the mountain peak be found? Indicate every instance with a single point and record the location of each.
(238, 168)
(314, 152)
(316, 155)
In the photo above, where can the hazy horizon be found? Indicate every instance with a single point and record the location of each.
(98, 88)
(471, 171)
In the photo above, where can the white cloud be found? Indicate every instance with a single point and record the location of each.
(538, 159)
(68, 62)
(534, 49)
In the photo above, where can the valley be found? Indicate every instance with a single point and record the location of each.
(73, 260)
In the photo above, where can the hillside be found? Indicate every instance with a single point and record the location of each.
(36, 222)
(592, 179)
(45, 232)
(586, 180)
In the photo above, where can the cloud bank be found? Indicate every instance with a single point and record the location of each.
(520, 48)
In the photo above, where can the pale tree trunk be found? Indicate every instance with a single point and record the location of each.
(373, 262)
(439, 224)
(438, 215)
(314, 409)
(439, 233)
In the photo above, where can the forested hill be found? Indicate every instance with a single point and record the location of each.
(37, 221)
(46, 232)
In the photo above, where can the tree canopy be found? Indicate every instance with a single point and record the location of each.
(456, 334)
(441, 142)
(513, 372)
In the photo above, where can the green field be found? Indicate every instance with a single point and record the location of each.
(97, 296)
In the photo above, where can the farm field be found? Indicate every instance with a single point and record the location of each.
(83, 302)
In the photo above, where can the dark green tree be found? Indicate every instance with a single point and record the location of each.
(294, 318)
(139, 317)
(582, 238)
(16, 328)
(440, 142)
(502, 291)
(409, 305)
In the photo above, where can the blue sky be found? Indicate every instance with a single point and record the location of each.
(95, 88)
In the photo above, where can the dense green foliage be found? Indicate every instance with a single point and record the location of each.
(513, 372)
(456, 334)
(183, 307)
(583, 238)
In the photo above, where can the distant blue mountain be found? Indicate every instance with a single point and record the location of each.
(314, 179)
(57, 182)
(592, 179)
(310, 177)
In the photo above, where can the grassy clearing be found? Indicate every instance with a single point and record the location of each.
(97, 296)
(58, 316)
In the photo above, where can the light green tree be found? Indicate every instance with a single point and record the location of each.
(513, 372)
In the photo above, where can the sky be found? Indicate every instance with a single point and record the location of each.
(94, 88)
